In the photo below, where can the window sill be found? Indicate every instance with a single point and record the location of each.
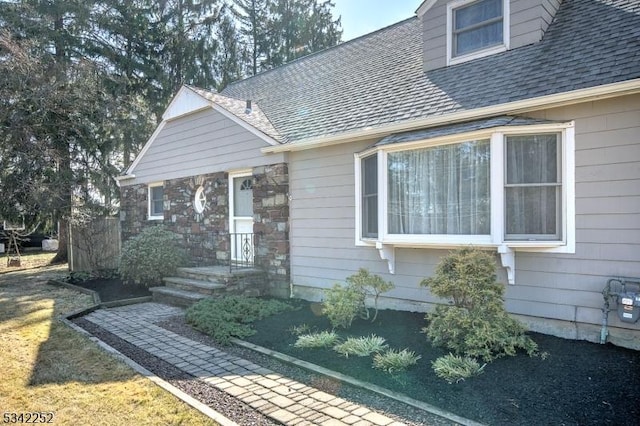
(477, 55)
(155, 218)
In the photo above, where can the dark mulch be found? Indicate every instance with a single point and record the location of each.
(114, 289)
(578, 383)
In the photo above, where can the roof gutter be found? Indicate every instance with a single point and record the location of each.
(517, 107)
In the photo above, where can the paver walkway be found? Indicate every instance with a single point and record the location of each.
(285, 400)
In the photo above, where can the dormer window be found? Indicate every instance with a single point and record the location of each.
(476, 28)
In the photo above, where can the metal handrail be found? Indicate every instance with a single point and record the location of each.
(242, 250)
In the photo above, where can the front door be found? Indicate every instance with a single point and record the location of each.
(241, 217)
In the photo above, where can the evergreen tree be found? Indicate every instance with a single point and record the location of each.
(229, 61)
(253, 16)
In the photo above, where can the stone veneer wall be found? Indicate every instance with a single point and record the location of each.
(204, 236)
(271, 224)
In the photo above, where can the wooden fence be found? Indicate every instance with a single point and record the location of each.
(95, 245)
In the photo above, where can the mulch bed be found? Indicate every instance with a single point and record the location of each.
(114, 289)
(579, 383)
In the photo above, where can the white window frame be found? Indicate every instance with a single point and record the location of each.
(150, 212)
(451, 60)
(496, 239)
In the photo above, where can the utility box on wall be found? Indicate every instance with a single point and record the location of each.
(629, 306)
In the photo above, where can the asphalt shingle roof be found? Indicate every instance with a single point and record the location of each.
(378, 79)
(254, 116)
(454, 129)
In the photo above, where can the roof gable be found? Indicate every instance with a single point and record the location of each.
(186, 101)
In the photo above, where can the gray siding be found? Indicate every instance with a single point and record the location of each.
(529, 20)
(200, 143)
(550, 286)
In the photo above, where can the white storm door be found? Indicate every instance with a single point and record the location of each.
(241, 217)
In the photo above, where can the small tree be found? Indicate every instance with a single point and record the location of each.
(150, 256)
(476, 324)
(345, 303)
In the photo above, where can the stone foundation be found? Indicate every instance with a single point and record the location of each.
(205, 235)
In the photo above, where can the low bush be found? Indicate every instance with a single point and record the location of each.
(476, 324)
(343, 304)
(395, 361)
(232, 316)
(150, 256)
(361, 346)
(454, 368)
(324, 339)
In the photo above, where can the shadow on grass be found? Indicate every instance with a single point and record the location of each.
(30, 313)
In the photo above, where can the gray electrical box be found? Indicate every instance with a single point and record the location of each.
(629, 306)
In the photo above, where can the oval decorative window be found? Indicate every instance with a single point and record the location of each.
(200, 200)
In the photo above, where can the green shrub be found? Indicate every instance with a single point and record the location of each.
(455, 368)
(324, 339)
(299, 330)
(394, 361)
(345, 303)
(361, 346)
(232, 316)
(150, 256)
(371, 285)
(477, 325)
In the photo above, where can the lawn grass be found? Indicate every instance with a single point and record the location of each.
(48, 367)
(28, 260)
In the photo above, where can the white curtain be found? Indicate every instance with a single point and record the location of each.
(440, 190)
(533, 187)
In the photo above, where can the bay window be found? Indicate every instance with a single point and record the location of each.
(509, 187)
(440, 190)
(533, 187)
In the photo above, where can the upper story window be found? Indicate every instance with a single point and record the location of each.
(476, 28)
(510, 186)
(156, 201)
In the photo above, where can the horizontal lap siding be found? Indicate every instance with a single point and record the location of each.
(199, 143)
(322, 217)
(558, 286)
(607, 218)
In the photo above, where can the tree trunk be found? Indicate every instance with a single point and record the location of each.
(62, 256)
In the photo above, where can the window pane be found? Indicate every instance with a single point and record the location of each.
(440, 190)
(243, 197)
(156, 201)
(478, 38)
(532, 159)
(370, 197)
(532, 210)
(477, 12)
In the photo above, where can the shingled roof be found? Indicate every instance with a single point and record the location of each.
(378, 79)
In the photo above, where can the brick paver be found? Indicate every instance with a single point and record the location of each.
(284, 400)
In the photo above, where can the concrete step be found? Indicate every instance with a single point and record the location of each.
(175, 297)
(197, 286)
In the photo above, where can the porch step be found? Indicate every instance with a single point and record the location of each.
(208, 288)
(193, 284)
(175, 297)
(215, 274)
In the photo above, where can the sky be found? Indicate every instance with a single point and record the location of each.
(361, 17)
